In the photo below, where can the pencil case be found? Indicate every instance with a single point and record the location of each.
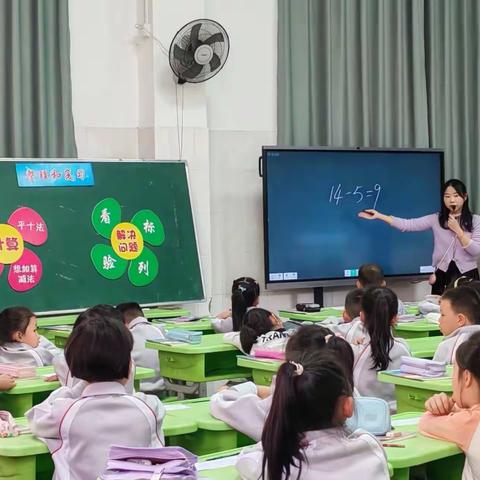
(431, 366)
(179, 335)
(370, 414)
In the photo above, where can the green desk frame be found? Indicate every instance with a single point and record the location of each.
(419, 329)
(210, 360)
(262, 370)
(411, 395)
(32, 391)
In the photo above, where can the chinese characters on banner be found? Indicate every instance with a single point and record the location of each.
(54, 174)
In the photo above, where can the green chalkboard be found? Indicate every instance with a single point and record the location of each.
(154, 261)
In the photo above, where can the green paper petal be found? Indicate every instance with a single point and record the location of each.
(144, 269)
(151, 227)
(105, 215)
(107, 263)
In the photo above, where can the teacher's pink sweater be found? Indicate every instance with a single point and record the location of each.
(445, 239)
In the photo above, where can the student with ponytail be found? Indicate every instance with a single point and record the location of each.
(245, 295)
(245, 407)
(457, 418)
(260, 329)
(304, 435)
(380, 350)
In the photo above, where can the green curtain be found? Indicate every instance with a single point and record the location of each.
(35, 85)
(453, 73)
(390, 73)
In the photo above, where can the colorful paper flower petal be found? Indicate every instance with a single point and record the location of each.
(30, 224)
(106, 214)
(26, 273)
(11, 244)
(2, 267)
(151, 227)
(107, 262)
(144, 269)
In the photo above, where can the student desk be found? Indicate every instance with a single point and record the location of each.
(57, 320)
(224, 471)
(419, 329)
(411, 394)
(210, 360)
(315, 317)
(202, 325)
(32, 391)
(263, 370)
(212, 435)
(59, 336)
(27, 458)
(424, 347)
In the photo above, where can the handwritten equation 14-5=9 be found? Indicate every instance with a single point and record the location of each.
(357, 194)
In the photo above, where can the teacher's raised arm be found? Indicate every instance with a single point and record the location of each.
(456, 234)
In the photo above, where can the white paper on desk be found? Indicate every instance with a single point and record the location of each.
(171, 408)
(401, 422)
(340, 309)
(218, 463)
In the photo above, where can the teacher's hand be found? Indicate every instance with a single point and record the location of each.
(454, 226)
(370, 214)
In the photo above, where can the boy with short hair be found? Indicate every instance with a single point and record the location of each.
(142, 330)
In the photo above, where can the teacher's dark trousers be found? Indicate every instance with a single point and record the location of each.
(444, 279)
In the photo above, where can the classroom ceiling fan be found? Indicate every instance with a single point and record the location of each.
(199, 51)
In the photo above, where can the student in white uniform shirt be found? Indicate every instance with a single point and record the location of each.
(80, 424)
(19, 340)
(245, 295)
(245, 407)
(380, 350)
(459, 318)
(304, 435)
(371, 275)
(260, 329)
(59, 362)
(352, 327)
(142, 330)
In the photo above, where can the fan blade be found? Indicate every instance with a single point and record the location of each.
(216, 37)
(184, 56)
(193, 71)
(194, 35)
(214, 62)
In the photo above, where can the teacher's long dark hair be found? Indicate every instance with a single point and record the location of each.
(466, 218)
(302, 401)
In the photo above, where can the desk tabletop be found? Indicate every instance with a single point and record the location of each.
(209, 344)
(443, 384)
(55, 320)
(38, 384)
(27, 444)
(258, 364)
(424, 347)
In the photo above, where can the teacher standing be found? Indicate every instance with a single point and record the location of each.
(456, 235)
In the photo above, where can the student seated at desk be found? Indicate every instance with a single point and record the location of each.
(142, 330)
(353, 328)
(457, 418)
(59, 362)
(371, 275)
(260, 329)
(80, 424)
(304, 435)
(19, 340)
(245, 295)
(245, 407)
(381, 350)
(459, 318)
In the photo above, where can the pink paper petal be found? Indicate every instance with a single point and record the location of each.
(1, 268)
(30, 224)
(26, 273)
